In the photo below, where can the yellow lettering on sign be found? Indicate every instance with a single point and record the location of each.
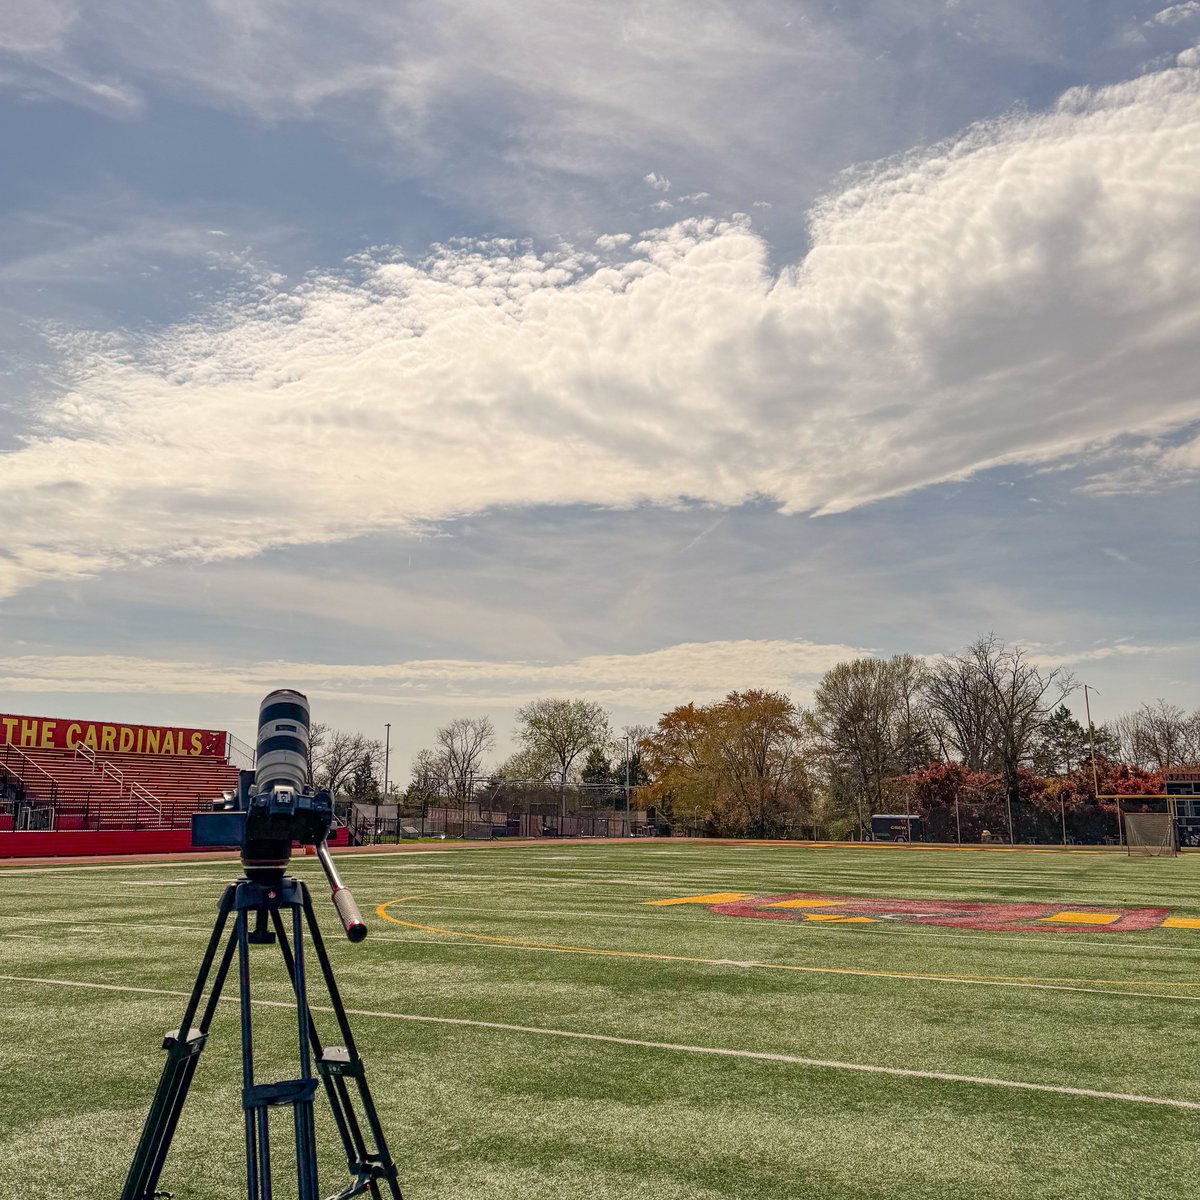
(89, 738)
(73, 735)
(29, 731)
(48, 728)
(153, 737)
(168, 744)
(108, 738)
(197, 743)
(125, 741)
(10, 723)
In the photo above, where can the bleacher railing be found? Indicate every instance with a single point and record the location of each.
(27, 772)
(135, 791)
(147, 797)
(93, 815)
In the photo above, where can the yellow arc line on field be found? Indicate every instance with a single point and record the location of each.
(381, 911)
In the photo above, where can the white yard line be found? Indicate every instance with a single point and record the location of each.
(673, 1047)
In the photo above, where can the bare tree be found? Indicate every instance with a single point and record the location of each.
(963, 714)
(1159, 736)
(994, 701)
(338, 755)
(318, 733)
(461, 747)
(428, 776)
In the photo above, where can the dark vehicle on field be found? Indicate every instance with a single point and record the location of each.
(895, 827)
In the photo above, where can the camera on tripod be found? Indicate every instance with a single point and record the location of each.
(275, 805)
(274, 808)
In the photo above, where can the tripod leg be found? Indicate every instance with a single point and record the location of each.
(302, 1112)
(348, 1065)
(183, 1047)
(258, 1154)
(335, 1088)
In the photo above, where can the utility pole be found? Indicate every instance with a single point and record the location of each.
(387, 751)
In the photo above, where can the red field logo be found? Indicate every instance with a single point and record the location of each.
(956, 914)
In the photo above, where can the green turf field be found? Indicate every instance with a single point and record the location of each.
(479, 1110)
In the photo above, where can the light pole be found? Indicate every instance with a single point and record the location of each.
(628, 769)
(387, 752)
(387, 749)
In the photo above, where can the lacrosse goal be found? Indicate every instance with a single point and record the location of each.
(1150, 834)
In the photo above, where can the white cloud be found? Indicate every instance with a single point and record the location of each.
(1154, 467)
(657, 182)
(1177, 14)
(1024, 293)
(508, 108)
(487, 100)
(662, 678)
(1118, 650)
(35, 58)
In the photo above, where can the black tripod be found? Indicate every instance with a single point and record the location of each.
(265, 894)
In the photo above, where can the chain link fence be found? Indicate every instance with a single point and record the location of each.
(502, 810)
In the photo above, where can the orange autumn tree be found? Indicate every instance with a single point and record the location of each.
(735, 767)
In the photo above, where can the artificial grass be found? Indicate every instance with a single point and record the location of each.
(486, 1112)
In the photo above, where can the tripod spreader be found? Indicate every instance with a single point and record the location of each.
(343, 901)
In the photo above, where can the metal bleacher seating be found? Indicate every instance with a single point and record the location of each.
(82, 790)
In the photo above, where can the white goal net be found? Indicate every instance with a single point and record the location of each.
(1150, 834)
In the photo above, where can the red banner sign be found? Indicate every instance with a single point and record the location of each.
(46, 733)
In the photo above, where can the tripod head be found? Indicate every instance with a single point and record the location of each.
(275, 806)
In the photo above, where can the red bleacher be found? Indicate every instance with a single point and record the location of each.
(127, 791)
(72, 775)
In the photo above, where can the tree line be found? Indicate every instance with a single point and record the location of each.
(985, 731)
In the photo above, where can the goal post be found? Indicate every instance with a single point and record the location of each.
(1150, 834)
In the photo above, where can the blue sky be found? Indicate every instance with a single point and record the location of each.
(434, 358)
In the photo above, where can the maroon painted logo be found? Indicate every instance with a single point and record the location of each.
(956, 914)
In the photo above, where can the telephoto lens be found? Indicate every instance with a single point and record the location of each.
(282, 760)
(280, 810)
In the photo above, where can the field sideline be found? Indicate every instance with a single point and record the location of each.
(535, 1024)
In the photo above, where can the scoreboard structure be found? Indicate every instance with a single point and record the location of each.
(1183, 802)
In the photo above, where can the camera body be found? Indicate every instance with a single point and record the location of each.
(274, 805)
(264, 824)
